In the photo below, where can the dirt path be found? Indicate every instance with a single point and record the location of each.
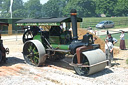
(16, 72)
(120, 59)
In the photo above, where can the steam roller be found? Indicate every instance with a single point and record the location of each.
(89, 62)
(54, 44)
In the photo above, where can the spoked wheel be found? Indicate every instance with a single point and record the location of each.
(81, 70)
(34, 52)
(28, 35)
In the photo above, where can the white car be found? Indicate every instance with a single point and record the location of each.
(105, 24)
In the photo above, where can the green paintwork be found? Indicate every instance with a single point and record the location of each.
(62, 36)
(35, 58)
(50, 24)
(20, 24)
(37, 37)
(62, 47)
(54, 39)
(38, 24)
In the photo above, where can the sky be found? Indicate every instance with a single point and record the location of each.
(41, 1)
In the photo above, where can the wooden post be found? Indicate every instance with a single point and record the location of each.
(10, 29)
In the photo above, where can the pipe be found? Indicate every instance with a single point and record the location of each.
(73, 14)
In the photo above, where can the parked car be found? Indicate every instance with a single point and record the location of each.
(105, 24)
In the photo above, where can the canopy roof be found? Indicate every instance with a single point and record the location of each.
(44, 21)
(3, 23)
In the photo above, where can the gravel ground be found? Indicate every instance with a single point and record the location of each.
(21, 74)
(16, 72)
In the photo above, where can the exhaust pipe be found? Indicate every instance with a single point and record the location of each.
(73, 14)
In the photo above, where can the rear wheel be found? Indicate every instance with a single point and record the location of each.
(81, 70)
(34, 52)
(28, 35)
(103, 27)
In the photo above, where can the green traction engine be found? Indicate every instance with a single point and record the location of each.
(54, 43)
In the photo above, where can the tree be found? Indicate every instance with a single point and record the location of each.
(85, 8)
(50, 9)
(105, 7)
(33, 8)
(54, 8)
(121, 8)
(5, 9)
(20, 13)
(18, 9)
(17, 6)
(1, 3)
(62, 4)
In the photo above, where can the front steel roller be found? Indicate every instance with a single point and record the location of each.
(34, 52)
(92, 61)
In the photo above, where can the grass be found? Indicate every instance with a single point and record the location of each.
(127, 61)
(120, 22)
(117, 36)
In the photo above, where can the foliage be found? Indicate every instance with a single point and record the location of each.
(105, 7)
(18, 9)
(121, 8)
(85, 8)
(33, 8)
(5, 8)
(53, 8)
(1, 3)
(127, 61)
(62, 8)
(20, 13)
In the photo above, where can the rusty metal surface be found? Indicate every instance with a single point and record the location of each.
(80, 49)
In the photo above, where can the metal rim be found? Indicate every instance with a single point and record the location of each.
(34, 52)
(28, 35)
(81, 70)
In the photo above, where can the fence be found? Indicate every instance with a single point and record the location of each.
(16, 35)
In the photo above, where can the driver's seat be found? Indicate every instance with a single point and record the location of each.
(55, 31)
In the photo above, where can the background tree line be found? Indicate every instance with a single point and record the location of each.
(61, 8)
